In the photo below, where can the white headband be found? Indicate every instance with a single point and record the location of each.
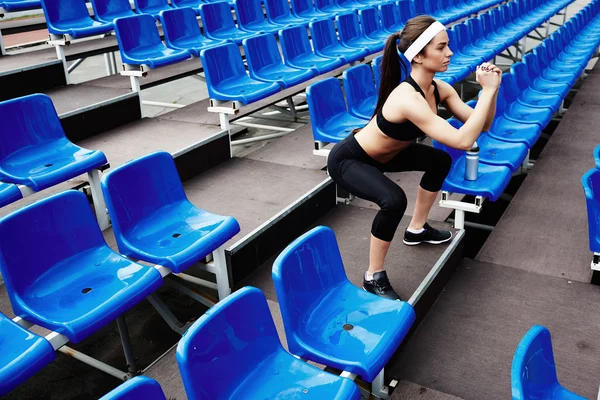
(423, 40)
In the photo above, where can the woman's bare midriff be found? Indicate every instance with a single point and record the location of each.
(377, 144)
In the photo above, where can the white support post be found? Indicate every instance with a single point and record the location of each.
(113, 62)
(221, 273)
(378, 387)
(565, 14)
(596, 262)
(460, 208)
(98, 199)
(135, 86)
(2, 48)
(459, 219)
(60, 53)
(107, 64)
(524, 46)
(224, 121)
(547, 28)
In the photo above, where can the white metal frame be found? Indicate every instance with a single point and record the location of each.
(2, 48)
(460, 207)
(595, 264)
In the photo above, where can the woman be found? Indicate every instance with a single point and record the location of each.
(405, 112)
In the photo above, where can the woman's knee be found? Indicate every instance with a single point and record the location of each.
(394, 200)
(434, 177)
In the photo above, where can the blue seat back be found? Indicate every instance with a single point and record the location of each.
(376, 66)
(106, 7)
(597, 156)
(294, 42)
(359, 85)
(216, 16)
(137, 388)
(136, 32)
(248, 12)
(325, 100)
(277, 9)
(390, 15)
(27, 121)
(59, 227)
(406, 11)
(304, 272)
(57, 11)
(348, 27)
(139, 188)
(179, 23)
(510, 88)
(323, 33)
(261, 51)
(369, 20)
(142, 5)
(301, 6)
(533, 368)
(591, 188)
(520, 75)
(222, 62)
(420, 7)
(224, 346)
(532, 66)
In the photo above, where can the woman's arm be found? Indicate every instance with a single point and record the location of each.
(459, 108)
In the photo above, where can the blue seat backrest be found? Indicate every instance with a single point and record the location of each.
(420, 7)
(325, 100)
(57, 227)
(294, 41)
(323, 33)
(144, 4)
(136, 32)
(520, 74)
(179, 23)
(533, 368)
(307, 269)
(347, 25)
(249, 11)
(591, 187)
(222, 62)
(137, 388)
(300, 6)
(510, 88)
(390, 14)
(261, 51)
(406, 11)
(141, 187)
(359, 83)
(376, 66)
(277, 8)
(27, 121)
(216, 16)
(64, 10)
(224, 346)
(369, 20)
(104, 7)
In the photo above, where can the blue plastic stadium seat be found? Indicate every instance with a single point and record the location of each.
(71, 17)
(361, 94)
(329, 320)
(109, 10)
(371, 27)
(390, 18)
(329, 7)
(152, 7)
(298, 53)
(597, 156)
(326, 44)
(226, 76)
(306, 9)
(218, 23)
(182, 31)
(137, 388)
(331, 121)
(533, 373)
(251, 18)
(233, 351)
(535, 93)
(265, 64)
(154, 221)
(140, 43)
(352, 36)
(493, 151)
(23, 354)
(278, 12)
(491, 179)
(376, 66)
(34, 150)
(517, 110)
(20, 5)
(406, 11)
(591, 188)
(9, 193)
(195, 4)
(73, 283)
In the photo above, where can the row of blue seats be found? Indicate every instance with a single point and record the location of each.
(34, 150)
(73, 283)
(483, 38)
(528, 97)
(311, 287)
(140, 44)
(19, 5)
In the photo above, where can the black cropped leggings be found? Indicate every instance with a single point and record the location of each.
(354, 170)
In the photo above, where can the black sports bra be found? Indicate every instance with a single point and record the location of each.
(405, 131)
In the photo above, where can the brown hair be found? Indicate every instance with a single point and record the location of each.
(393, 67)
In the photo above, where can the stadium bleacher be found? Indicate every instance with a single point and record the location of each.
(239, 246)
